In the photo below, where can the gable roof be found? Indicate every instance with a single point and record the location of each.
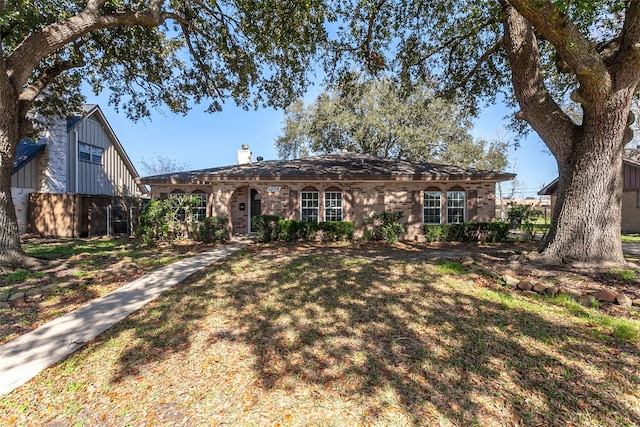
(94, 110)
(335, 167)
(630, 156)
(25, 151)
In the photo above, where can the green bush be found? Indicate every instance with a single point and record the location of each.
(169, 219)
(153, 221)
(291, 230)
(336, 230)
(270, 228)
(266, 227)
(524, 217)
(212, 229)
(383, 225)
(468, 232)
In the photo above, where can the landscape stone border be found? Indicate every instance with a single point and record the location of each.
(527, 287)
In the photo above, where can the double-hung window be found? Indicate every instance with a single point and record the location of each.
(432, 207)
(90, 153)
(455, 207)
(200, 211)
(309, 206)
(333, 206)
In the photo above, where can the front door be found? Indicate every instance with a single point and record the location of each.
(256, 207)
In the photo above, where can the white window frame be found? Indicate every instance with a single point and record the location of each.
(455, 203)
(92, 154)
(200, 213)
(307, 204)
(333, 201)
(429, 196)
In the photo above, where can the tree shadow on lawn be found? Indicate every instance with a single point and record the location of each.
(384, 331)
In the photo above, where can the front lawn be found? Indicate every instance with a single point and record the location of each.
(77, 271)
(344, 335)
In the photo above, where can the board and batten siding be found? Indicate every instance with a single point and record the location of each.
(26, 176)
(111, 176)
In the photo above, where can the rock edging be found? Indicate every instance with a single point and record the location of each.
(510, 280)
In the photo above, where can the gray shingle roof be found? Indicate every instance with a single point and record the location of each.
(336, 166)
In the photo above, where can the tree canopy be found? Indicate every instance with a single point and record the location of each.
(147, 53)
(538, 53)
(375, 117)
(541, 55)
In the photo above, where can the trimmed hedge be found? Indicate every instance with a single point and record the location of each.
(467, 232)
(383, 225)
(212, 229)
(271, 228)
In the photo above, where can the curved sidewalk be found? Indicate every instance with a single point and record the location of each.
(24, 357)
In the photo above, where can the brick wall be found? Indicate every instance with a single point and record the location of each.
(360, 199)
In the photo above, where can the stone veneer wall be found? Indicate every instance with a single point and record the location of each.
(360, 199)
(20, 198)
(52, 164)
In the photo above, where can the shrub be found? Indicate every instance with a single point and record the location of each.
(153, 221)
(212, 229)
(291, 230)
(383, 225)
(169, 219)
(469, 232)
(524, 217)
(270, 228)
(337, 230)
(266, 227)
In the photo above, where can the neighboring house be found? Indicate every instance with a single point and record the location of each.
(76, 167)
(630, 191)
(337, 187)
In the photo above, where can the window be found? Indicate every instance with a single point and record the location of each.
(309, 205)
(200, 212)
(432, 207)
(455, 207)
(89, 153)
(333, 206)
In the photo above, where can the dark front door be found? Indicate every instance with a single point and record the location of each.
(256, 207)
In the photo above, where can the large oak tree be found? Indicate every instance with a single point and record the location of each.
(375, 117)
(256, 52)
(541, 54)
(153, 52)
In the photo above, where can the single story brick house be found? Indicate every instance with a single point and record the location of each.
(336, 187)
(630, 191)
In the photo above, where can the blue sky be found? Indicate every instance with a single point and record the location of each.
(208, 140)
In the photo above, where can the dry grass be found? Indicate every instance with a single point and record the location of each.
(78, 271)
(341, 335)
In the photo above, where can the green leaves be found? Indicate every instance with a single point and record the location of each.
(252, 52)
(378, 118)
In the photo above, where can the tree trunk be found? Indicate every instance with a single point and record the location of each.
(586, 220)
(10, 249)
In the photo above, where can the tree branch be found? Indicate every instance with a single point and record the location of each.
(574, 49)
(627, 60)
(47, 76)
(537, 106)
(42, 43)
(373, 60)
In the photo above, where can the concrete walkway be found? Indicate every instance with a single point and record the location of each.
(24, 357)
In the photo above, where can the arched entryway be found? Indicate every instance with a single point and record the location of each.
(255, 204)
